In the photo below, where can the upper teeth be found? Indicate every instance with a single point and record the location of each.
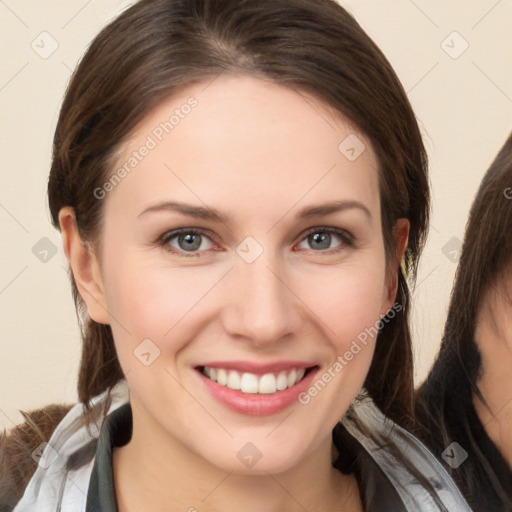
(252, 383)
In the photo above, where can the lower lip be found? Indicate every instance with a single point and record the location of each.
(256, 404)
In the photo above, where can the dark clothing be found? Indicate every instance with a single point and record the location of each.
(116, 432)
(490, 486)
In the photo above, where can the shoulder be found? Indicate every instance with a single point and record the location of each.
(19, 449)
(394, 456)
(62, 477)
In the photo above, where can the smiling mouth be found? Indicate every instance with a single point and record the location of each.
(251, 383)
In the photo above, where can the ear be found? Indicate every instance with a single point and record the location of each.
(401, 235)
(84, 266)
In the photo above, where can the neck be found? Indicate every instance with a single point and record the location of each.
(160, 474)
(493, 336)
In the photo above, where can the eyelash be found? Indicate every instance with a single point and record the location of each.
(347, 240)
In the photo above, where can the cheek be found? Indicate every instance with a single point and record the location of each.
(348, 302)
(148, 301)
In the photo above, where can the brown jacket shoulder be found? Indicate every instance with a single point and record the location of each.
(17, 446)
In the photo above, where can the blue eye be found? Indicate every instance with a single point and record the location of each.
(186, 241)
(191, 242)
(320, 239)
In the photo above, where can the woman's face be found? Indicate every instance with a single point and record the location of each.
(278, 267)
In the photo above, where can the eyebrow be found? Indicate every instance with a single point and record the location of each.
(212, 214)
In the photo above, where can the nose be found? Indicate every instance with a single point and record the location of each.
(261, 306)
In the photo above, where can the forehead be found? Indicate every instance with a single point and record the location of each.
(244, 142)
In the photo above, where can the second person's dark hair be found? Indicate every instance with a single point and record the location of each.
(446, 397)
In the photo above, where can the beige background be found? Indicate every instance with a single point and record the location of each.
(463, 101)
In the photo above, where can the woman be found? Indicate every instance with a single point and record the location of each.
(467, 398)
(236, 184)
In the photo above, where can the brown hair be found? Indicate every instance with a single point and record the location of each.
(158, 46)
(445, 401)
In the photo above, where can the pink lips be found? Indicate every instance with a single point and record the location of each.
(255, 404)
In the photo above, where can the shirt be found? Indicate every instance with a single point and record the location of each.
(394, 470)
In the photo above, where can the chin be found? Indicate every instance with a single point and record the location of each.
(257, 458)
